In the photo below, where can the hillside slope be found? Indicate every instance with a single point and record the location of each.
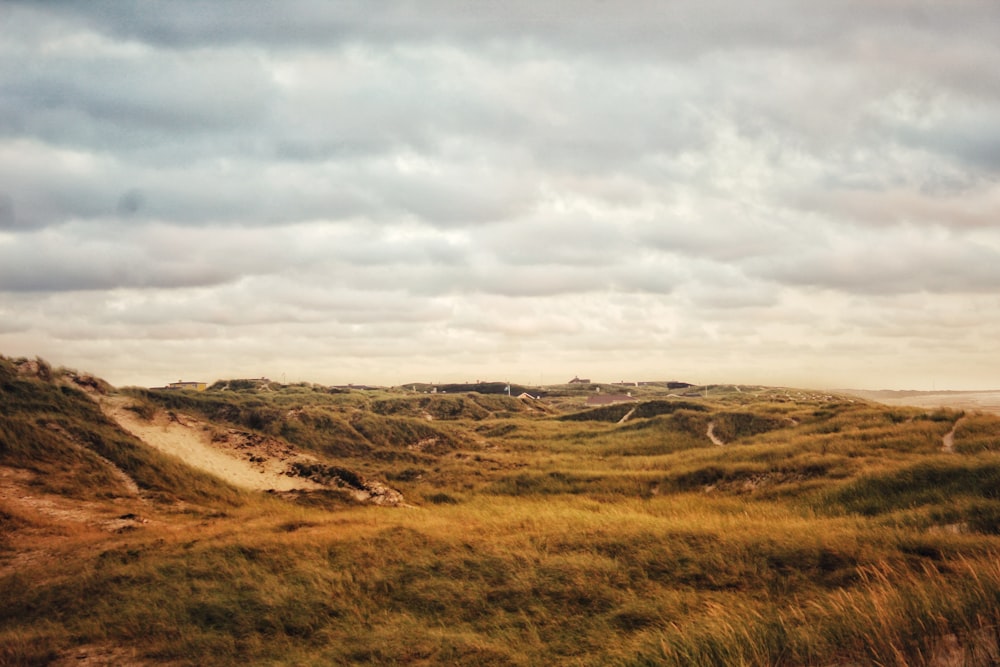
(197, 445)
(818, 530)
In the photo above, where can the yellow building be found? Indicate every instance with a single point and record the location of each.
(192, 386)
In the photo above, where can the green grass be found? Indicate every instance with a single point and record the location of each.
(60, 434)
(828, 531)
(977, 433)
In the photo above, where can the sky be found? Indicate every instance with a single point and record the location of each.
(777, 192)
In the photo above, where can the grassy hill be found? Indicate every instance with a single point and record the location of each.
(824, 530)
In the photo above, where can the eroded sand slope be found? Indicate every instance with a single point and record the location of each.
(236, 457)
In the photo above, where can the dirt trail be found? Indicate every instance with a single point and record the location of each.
(948, 441)
(191, 440)
(627, 415)
(711, 435)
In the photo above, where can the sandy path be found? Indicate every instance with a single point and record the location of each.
(190, 440)
(948, 441)
(711, 435)
(627, 415)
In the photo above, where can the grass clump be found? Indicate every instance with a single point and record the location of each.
(932, 482)
(977, 433)
(826, 532)
(61, 435)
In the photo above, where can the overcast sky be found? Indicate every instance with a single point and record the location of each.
(777, 192)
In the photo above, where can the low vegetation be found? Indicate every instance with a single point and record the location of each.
(825, 530)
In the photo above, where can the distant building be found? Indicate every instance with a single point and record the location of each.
(577, 380)
(190, 386)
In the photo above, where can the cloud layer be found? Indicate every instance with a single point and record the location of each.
(453, 190)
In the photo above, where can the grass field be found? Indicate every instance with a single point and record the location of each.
(826, 530)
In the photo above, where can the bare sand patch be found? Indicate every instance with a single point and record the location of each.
(240, 458)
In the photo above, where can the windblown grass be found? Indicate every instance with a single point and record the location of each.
(62, 435)
(826, 532)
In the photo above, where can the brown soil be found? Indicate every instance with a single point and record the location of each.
(50, 526)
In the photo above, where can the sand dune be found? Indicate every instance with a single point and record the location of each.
(257, 466)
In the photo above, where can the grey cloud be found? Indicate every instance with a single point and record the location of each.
(974, 141)
(451, 179)
(133, 101)
(262, 301)
(53, 188)
(131, 201)
(452, 109)
(890, 264)
(648, 274)
(455, 196)
(96, 268)
(344, 105)
(734, 300)
(12, 322)
(635, 24)
(517, 316)
(357, 247)
(725, 239)
(572, 238)
(540, 279)
(48, 187)
(356, 307)
(7, 217)
(964, 208)
(51, 185)
(726, 289)
(903, 323)
(74, 258)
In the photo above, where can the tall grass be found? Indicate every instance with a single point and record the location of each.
(666, 581)
(936, 481)
(826, 532)
(59, 433)
(977, 433)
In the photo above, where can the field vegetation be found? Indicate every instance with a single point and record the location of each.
(825, 530)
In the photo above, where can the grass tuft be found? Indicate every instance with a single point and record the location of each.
(829, 531)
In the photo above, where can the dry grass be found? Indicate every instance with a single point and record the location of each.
(826, 532)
